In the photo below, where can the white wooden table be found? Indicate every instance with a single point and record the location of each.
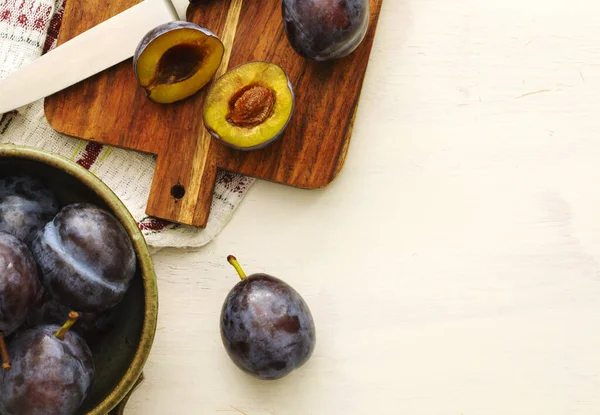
(453, 267)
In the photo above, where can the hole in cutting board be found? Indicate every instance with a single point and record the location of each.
(178, 191)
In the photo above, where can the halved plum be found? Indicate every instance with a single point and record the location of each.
(250, 106)
(175, 60)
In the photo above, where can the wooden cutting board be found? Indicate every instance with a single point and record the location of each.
(110, 108)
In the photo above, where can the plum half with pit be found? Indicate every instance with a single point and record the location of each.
(266, 326)
(175, 60)
(323, 30)
(250, 106)
(86, 258)
(19, 287)
(52, 372)
(26, 205)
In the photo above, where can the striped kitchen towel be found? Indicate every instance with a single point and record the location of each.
(29, 28)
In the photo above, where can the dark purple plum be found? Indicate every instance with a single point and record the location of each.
(91, 326)
(19, 285)
(52, 372)
(26, 205)
(86, 258)
(266, 326)
(322, 30)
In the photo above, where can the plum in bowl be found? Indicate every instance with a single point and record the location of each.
(120, 340)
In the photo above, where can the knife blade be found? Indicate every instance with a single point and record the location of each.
(87, 54)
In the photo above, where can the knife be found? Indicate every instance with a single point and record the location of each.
(87, 54)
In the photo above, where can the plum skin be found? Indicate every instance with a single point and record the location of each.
(26, 205)
(48, 376)
(323, 30)
(19, 283)
(86, 258)
(266, 327)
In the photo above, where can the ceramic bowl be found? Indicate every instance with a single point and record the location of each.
(120, 356)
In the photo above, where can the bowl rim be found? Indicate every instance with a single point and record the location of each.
(134, 371)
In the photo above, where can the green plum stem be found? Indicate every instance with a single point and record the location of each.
(233, 261)
(60, 334)
(5, 361)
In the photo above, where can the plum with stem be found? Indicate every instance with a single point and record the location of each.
(52, 371)
(266, 326)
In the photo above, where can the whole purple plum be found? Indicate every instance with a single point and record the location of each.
(322, 30)
(50, 375)
(266, 327)
(26, 205)
(86, 258)
(19, 286)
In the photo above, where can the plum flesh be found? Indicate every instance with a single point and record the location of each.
(322, 30)
(175, 60)
(26, 205)
(250, 106)
(86, 258)
(49, 376)
(266, 327)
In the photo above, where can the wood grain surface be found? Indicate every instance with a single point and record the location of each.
(110, 108)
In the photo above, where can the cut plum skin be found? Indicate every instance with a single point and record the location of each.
(220, 100)
(323, 30)
(175, 60)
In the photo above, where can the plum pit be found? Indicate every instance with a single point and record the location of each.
(251, 106)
